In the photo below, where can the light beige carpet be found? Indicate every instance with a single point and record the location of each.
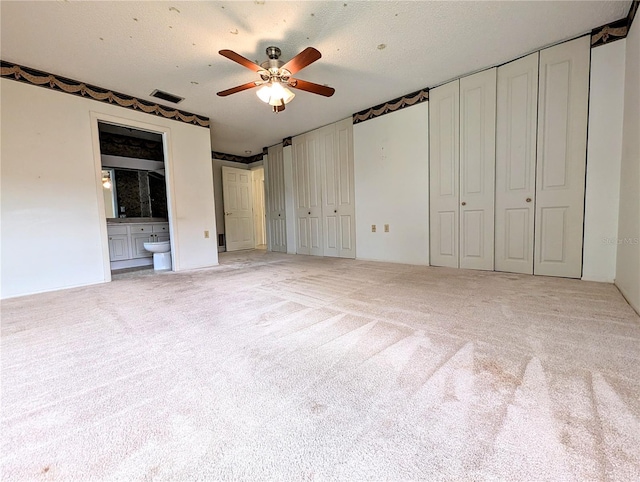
(276, 367)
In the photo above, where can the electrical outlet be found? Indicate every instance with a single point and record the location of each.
(206, 234)
(386, 228)
(373, 228)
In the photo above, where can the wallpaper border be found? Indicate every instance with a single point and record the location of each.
(392, 106)
(222, 156)
(615, 30)
(47, 80)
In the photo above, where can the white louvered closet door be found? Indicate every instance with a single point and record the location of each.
(517, 109)
(477, 169)
(444, 164)
(275, 195)
(561, 158)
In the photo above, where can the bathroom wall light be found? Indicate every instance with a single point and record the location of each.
(106, 180)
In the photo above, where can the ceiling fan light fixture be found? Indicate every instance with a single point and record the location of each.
(275, 94)
(277, 90)
(288, 95)
(264, 93)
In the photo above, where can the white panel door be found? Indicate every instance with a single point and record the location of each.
(238, 212)
(444, 163)
(561, 158)
(275, 200)
(259, 220)
(308, 197)
(477, 169)
(516, 123)
(314, 181)
(338, 211)
(345, 189)
(328, 165)
(301, 194)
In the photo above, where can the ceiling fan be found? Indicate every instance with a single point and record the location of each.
(276, 77)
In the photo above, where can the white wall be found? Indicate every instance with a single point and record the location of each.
(604, 154)
(217, 189)
(391, 167)
(628, 256)
(53, 219)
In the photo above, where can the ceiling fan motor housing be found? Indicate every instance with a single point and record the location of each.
(273, 64)
(273, 53)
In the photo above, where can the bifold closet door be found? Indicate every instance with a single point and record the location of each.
(477, 169)
(517, 109)
(561, 158)
(336, 161)
(275, 195)
(444, 164)
(308, 187)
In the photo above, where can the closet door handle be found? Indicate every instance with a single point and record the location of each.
(528, 199)
(335, 210)
(464, 203)
(309, 212)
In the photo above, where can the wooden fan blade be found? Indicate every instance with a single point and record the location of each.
(300, 61)
(311, 87)
(238, 88)
(231, 55)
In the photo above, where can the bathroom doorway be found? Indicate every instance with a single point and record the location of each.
(135, 198)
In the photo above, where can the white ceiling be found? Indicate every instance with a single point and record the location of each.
(136, 47)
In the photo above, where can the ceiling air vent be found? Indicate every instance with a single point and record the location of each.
(166, 96)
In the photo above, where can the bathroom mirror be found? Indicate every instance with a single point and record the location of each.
(134, 193)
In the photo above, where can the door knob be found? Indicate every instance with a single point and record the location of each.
(335, 210)
(279, 215)
(464, 203)
(528, 199)
(309, 212)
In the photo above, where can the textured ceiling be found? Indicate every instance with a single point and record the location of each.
(136, 47)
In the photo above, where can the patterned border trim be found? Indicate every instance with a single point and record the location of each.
(74, 87)
(392, 106)
(615, 30)
(233, 158)
(632, 12)
(287, 141)
(609, 33)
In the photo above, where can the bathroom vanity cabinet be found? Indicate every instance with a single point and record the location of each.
(126, 242)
